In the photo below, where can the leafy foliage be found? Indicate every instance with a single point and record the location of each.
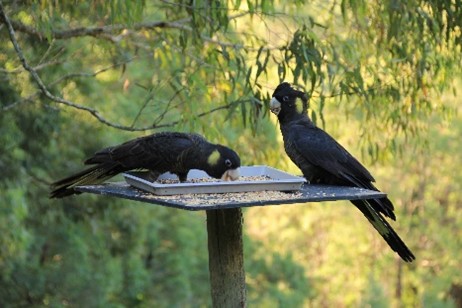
(379, 76)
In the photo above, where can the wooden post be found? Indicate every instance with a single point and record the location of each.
(226, 258)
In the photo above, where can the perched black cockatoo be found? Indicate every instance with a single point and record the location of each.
(160, 152)
(323, 160)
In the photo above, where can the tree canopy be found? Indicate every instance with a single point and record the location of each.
(77, 76)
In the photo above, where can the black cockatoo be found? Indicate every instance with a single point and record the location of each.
(323, 160)
(160, 152)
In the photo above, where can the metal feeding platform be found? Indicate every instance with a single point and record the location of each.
(206, 201)
(222, 202)
(258, 186)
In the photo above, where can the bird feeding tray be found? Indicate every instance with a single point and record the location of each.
(200, 183)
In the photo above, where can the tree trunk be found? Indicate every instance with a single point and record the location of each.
(226, 258)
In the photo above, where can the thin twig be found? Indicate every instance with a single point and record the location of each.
(146, 102)
(95, 73)
(30, 98)
(36, 68)
(48, 51)
(200, 115)
(167, 107)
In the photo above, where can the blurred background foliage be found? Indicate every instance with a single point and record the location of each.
(382, 78)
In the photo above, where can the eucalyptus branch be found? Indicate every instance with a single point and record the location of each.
(93, 31)
(107, 31)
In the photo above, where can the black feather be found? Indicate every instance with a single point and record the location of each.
(161, 152)
(323, 160)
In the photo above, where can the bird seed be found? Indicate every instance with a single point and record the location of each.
(254, 178)
(225, 198)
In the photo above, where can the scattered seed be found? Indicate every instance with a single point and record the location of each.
(224, 198)
(167, 181)
(206, 180)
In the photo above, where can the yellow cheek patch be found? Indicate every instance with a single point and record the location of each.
(213, 158)
(299, 105)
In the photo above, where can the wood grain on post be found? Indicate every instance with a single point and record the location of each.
(226, 258)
